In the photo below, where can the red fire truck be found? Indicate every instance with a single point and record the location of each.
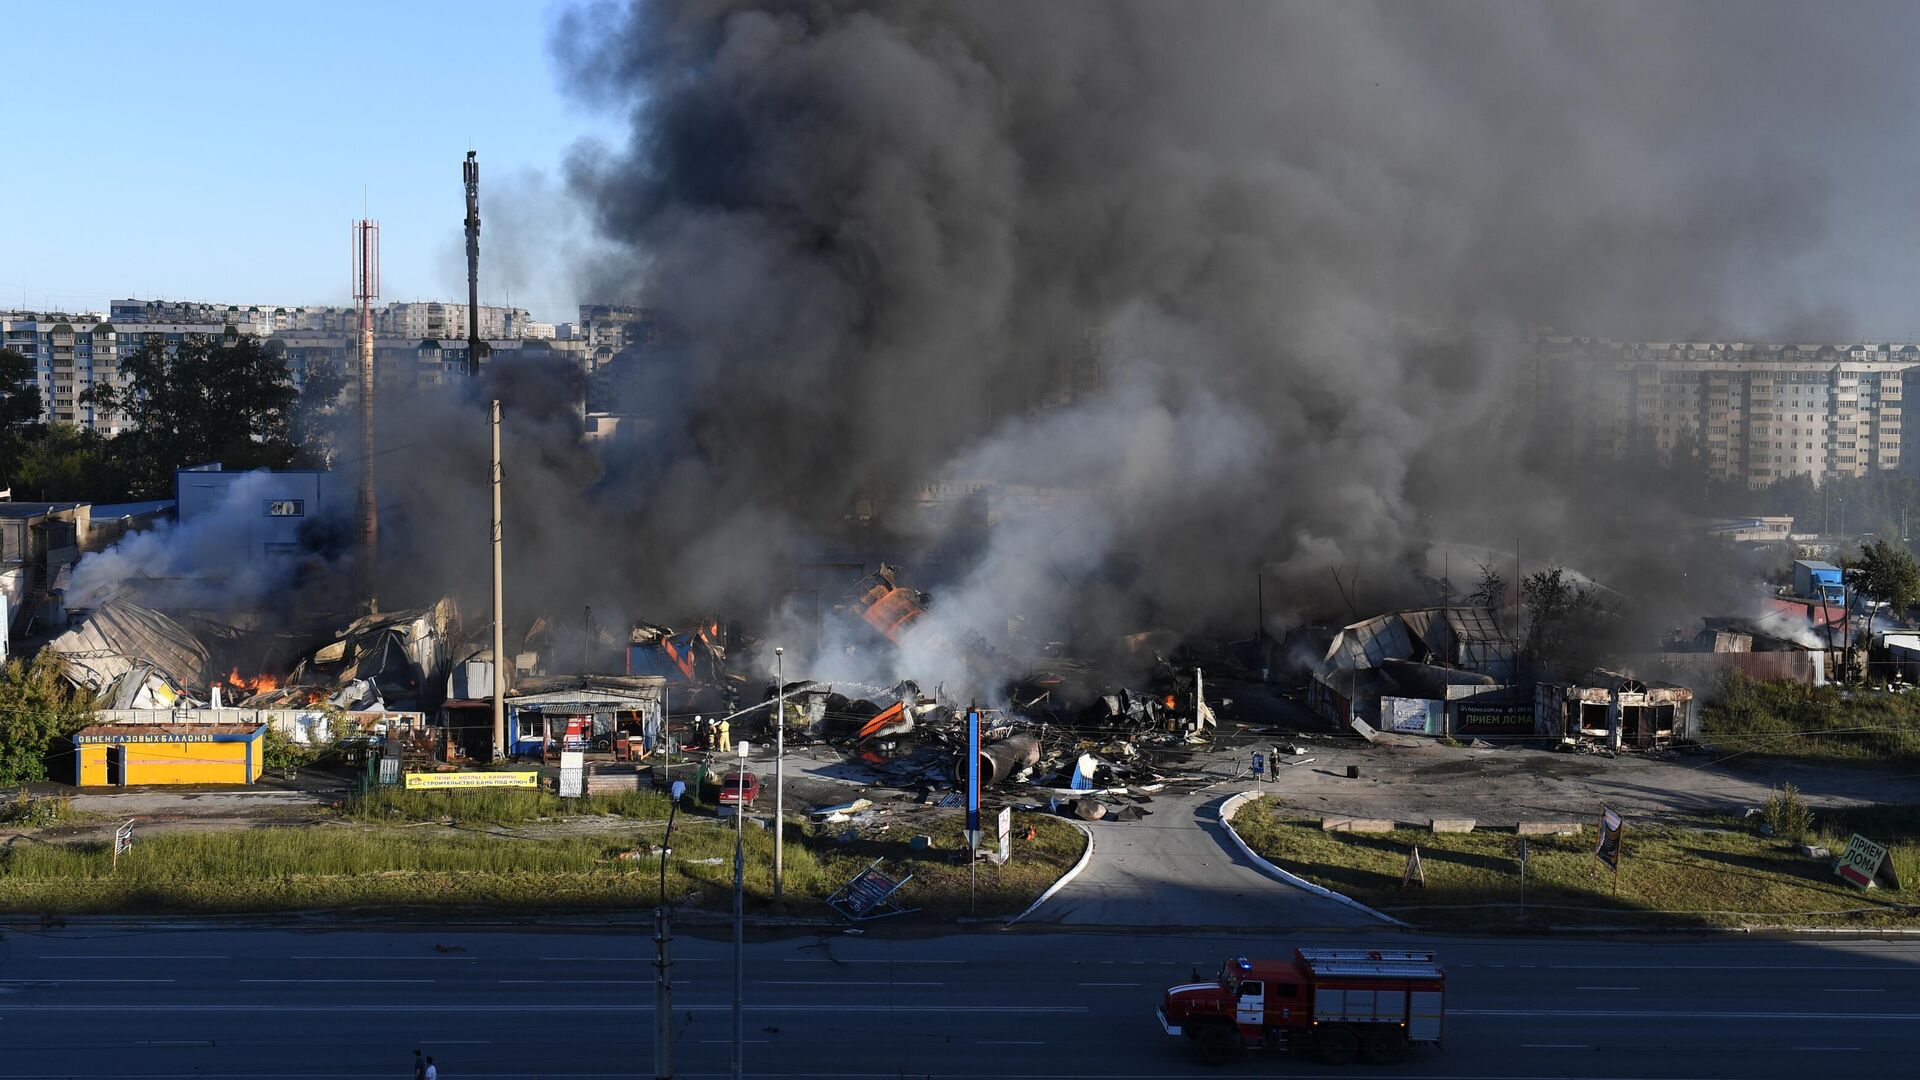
(1340, 1004)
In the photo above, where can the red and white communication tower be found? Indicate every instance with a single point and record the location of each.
(366, 286)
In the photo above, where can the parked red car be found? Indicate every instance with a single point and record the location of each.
(737, 786)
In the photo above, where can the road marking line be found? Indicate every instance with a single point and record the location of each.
(1681, 1014)
(538, 1007)
(730, 1041)
(57, 981)
(1825, 1049)
(833, 982)
(582, 982)
(354, 981)
(1109, 984)
(831, 960)
(109, 956)
(406, 959)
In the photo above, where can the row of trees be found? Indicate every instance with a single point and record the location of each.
(230, 399)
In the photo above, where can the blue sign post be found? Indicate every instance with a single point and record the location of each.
(973, 807)
(973, 776)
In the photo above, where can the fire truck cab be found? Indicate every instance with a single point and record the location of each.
(1340, 1004)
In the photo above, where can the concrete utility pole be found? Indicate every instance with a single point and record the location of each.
(739, 915)
(499, 605)
(779, 775)
(663, 955)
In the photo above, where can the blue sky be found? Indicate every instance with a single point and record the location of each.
(219, 151)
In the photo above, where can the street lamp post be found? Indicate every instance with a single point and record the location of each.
(739, 909)
(779, 775)
(662, 955)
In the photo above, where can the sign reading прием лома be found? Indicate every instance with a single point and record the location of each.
(1863, 861)
(455, 780)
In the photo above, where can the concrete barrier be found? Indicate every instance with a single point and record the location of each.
(1231, 807)
(1454, 824)
(1350, 824)
(1548, 828)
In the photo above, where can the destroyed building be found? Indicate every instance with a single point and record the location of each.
(1432, 671)
(1614, 710)
(131, 657)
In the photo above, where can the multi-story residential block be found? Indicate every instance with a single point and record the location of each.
(71, 353)
(414, 319)
(1753, 413)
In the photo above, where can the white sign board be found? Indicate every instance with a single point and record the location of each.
(1006, 834)
(573, 774)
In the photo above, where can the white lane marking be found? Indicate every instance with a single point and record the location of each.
(57, 982)
(583, 982)
(833, 982)
(636, 1007)
(356, 982)
(1713, 967)
(730, 1041)
(407, 959)
(1645, 1014)
(115, 956)
(830, 960)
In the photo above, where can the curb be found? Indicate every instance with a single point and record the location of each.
(1085, 858)
(1232, 806)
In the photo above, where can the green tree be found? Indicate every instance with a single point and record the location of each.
(1559, 609)
(1491, 592)
(228, 399)
(37, 706)
(61, 461)
(314, 427)
(20, 409)
(1889, 572)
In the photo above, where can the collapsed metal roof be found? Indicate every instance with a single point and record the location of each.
(118, 637)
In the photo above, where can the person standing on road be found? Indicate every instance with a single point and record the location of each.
(419, 1066)
(433, 1072)
(726, 737)
(1273, 765)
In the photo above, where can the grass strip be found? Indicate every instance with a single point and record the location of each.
(1788, 720)
(357, 865)
(1670, 877)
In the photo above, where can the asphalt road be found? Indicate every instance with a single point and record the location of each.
(220, 1003)
(1178, 867)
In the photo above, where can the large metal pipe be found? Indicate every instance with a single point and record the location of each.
(366, 287)
(1000, 760)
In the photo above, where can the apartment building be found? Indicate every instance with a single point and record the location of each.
(416, 319)
(71, 352)
(1754, 413)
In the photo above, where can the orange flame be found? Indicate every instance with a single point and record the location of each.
(1171, 703)
(258, 684)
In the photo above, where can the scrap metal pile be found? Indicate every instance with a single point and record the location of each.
(1047, 740)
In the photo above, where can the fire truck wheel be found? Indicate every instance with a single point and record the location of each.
(1383, 1045)
(1216, 1045)
(1338, 1044)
